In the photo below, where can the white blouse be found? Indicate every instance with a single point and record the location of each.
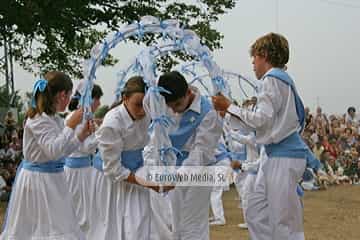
(46, 138)
(119, 132)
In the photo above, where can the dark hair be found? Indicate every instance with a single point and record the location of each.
(45, 101)
(351, 109)
(175, 83)
(348, 129)
(95, 93)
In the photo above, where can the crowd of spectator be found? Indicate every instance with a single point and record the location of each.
(10, 154)
(335, 141)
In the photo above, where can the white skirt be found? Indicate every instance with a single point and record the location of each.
(41, 208)
(137, 213)
(106, 215)
(80, 184)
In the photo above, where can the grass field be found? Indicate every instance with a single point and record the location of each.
(333, 214)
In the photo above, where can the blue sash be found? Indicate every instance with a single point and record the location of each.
(78, 162)
(187, 127)
(132, 159)
(225, 153)
(285, 78)
(293, 147)
(47, 167)
(98, 162)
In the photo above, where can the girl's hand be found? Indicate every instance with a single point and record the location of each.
(75, 118)
(87, 130)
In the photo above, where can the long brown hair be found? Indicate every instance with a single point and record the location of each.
(45, 100)
(135, 84)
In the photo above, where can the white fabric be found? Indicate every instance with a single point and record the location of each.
(106, 216)
(275, 115)
(41, 207)
(161, 216)
(190, 205)
(217, 204)
(80, 185)
(88, 146)
(274, 210)
(46, 138)
(201, 145)
(79, 180)
(120, 133)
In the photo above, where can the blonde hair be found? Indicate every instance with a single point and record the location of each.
(274, 47)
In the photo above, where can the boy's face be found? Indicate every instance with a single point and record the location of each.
(259, 66)
(181, 104)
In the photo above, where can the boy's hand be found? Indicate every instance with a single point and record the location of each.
(220, 102)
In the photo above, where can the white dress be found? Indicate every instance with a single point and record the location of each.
(120, 133)
(80, 179)
(41, 207)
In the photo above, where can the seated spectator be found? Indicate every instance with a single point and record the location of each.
(352, 117)
(5, 189)
(318, 149)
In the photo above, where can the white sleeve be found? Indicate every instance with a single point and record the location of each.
(54, 145)
(207, 137)
(247, 139)
(110, 145)
(89, 145)
(269, 102)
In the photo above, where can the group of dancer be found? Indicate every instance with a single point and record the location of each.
(78, 177)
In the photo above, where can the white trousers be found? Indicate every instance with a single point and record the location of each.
(274, 209)
(161, 217)
(247, 190)
(217, 204)
(190, 206)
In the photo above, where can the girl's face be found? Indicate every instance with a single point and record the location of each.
(62, 100)
(134, 105)
(95, 104)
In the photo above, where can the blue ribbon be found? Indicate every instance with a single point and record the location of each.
(163, 26)
(219, 82)
(163, 120)
(39, 86)
(165, 150)
(141, 30)
(158, 89)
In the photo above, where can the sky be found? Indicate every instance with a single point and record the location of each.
(324, 39)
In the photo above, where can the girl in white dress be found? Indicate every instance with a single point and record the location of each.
(122, 136)
(78, 170)
(40, 207)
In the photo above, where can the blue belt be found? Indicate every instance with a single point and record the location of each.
(78, 162)
(98, 162)
(46, 167)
